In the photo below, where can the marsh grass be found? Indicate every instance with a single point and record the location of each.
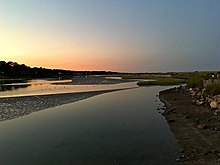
(163, 82)
(144, 76)
(195, 83)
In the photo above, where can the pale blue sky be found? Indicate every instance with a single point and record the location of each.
(118, 35)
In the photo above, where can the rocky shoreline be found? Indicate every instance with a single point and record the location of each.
(13, 107)
(196, 127)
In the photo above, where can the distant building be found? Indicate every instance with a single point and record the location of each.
(211, 81)
(214, 80)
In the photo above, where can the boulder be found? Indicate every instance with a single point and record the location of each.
(214, 104)
(198, 102)
(209, 99)
(203, 91)
(193, 93)
(218, 99)
(201, 126)
(199, 94)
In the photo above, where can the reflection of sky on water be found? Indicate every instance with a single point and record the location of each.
(116, 128)
(11, 87)
(41, 87)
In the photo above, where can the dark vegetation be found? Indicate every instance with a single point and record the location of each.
(15, 70)
(163, 81)
(195, 82)
(191, 75)
(145, 76)
(212, 90)
(192, 79)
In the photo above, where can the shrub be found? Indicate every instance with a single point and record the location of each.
(212, 90)
(162, 81)
(195, 83)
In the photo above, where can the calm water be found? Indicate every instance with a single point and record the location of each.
(115, 128)
(42, 87)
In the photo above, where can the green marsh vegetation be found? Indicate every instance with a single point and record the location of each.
(192, 79)
(145, 76)
(163, 82)
(212, 90)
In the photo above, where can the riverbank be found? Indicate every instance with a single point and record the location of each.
(13, 107)
(196, 128)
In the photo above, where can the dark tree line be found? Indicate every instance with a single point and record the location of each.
(15, 70)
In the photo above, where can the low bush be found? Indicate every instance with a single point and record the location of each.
(195, 83)
(212, 90)
(163, 81)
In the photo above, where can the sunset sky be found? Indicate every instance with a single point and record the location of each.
(116, 35)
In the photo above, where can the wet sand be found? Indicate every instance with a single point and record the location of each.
(95, 80)
(196, 128)
(13, 107)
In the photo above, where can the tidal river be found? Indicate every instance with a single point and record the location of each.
(121, 127)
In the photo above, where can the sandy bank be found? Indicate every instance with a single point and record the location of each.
(94, 80)
(196, 128)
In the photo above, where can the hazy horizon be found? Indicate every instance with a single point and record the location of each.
(122, 36)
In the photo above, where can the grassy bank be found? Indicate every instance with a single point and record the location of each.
(144, 76)
(163, 82)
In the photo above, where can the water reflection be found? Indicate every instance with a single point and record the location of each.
(42, 87)
(115, 128)
(11, 87)
(7, 84)
(12, 81)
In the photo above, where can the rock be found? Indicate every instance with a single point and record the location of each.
(209, 99)
(214, 104)
(199, 102)
(178, 159)
(182, 156)
(201, 126)
(193, 93)
(170, 110)
(216, 129)
(187, 117)
(171, 120)
(173, 108)
(202, 99)
(203, 91)
(199, 94)
(218, 98)
(215, 113)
